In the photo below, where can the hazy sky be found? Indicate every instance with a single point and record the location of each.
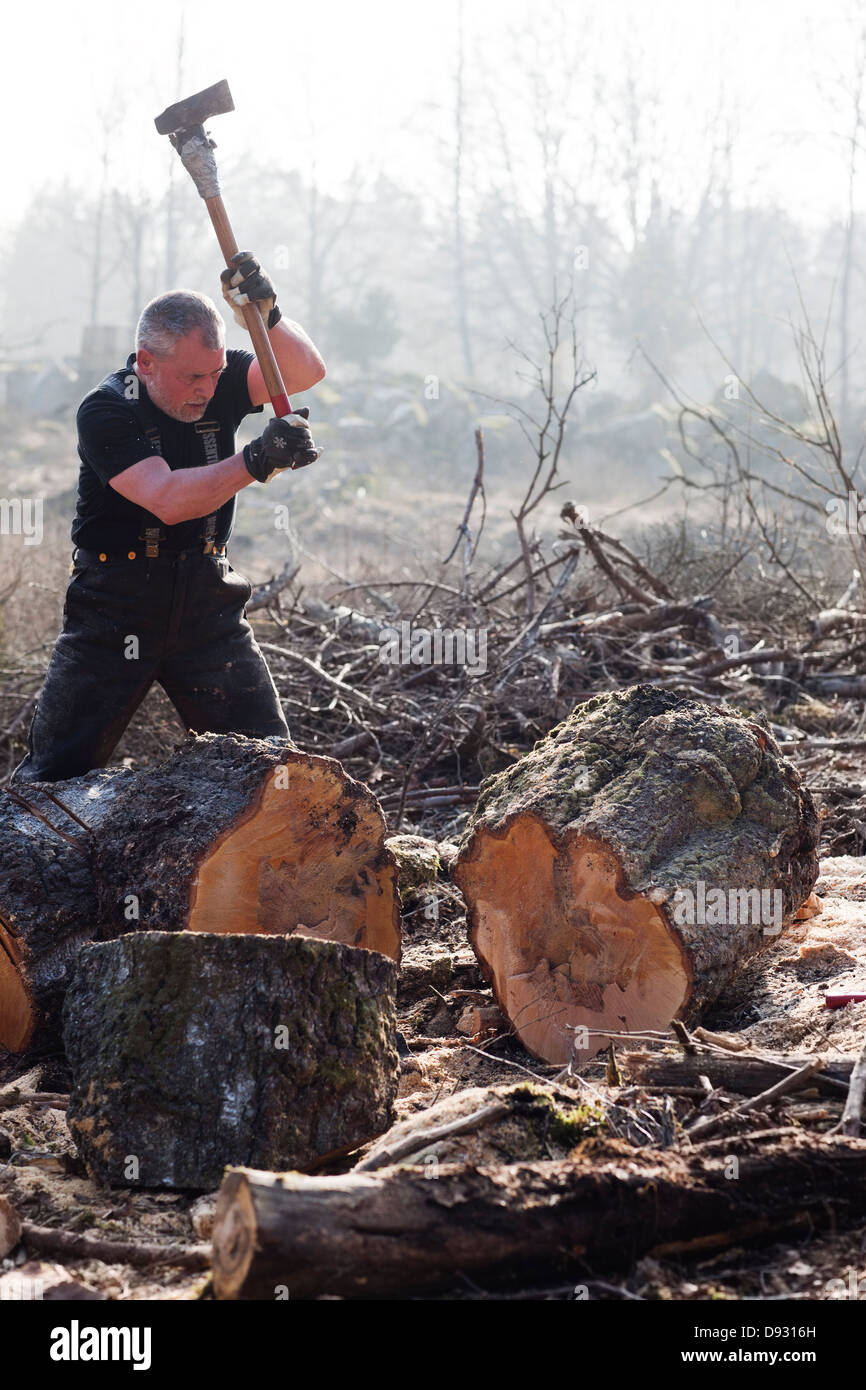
(345, 84)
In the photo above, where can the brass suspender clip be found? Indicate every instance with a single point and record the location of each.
(151, 542)
(209, 535)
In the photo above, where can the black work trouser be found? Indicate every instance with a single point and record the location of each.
(178, 620)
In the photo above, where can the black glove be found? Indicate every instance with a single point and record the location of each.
(285, 443)
(246, 283)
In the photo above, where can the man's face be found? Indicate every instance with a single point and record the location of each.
(182, 383)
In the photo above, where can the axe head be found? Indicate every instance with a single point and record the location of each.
(195, 110)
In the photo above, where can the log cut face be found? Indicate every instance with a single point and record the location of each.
(190, 1051)
(235, 834)
(48, 907)
(621, 873)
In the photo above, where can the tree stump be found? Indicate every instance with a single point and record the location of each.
(228, 834)
(190, 1051)
(623, 871)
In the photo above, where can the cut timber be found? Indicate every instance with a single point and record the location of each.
(747, 1076)
(235, 834)
(623, 871)
(392, 1235)
(228, 834)
(190, 1051)
(48, 907)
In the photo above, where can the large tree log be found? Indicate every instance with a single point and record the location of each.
(48, 907)
(235, 834)
(229, 834)
(190, 1051)
(585, 861)
(371, 1235)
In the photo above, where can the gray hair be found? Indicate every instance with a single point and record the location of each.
(174, 315)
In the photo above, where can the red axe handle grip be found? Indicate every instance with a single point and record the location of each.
(254, 321)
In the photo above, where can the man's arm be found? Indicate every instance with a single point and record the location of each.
(299, 362)
(244, 282)
(189, 493)
(186, 493)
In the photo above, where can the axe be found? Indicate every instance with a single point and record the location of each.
(183, 123)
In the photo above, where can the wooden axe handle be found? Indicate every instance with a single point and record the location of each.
(252, 317)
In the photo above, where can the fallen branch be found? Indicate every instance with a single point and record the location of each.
(850, 1122)
(50, 1241)
(781, 1088)
(52, 1100)
(264, 594)
(421, 1139)
(745, 1074)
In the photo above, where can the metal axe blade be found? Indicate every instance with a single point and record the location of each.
(195, 110)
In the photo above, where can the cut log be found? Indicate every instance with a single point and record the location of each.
(400, 1233)
(235, 834)
(190, 1051)
(48, 906)
(623, 871)
(229, 834)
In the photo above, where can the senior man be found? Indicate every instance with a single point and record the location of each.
(152, 596)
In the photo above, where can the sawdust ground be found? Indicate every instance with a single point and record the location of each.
(777, 1002)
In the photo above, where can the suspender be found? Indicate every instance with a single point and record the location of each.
(153, 536)
(208, 534)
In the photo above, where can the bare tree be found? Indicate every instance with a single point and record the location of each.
(554, 391)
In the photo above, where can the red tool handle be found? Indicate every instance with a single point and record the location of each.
(253, 319)
(838, 998)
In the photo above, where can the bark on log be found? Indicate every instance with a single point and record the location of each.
(401, 1233)
(190, 1051)
(48, 906)
(583, 863)
(229, 834)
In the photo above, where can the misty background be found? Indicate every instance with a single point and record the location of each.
(424, 184)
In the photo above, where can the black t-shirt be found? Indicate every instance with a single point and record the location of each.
(119, 425)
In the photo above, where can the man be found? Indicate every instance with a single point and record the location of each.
(152, 595)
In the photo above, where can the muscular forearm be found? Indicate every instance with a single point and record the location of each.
(189, 493)
(300, 363)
